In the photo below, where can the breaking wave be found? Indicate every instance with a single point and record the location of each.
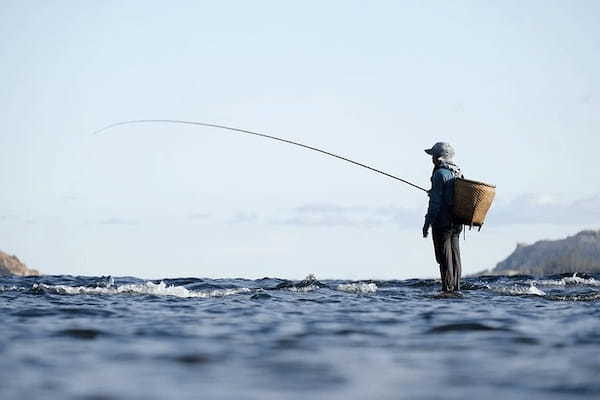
(146, 288)
(308, 284)
(568, 281)
(519, 291)
(303, 289)
(363, 288)
(572, 287)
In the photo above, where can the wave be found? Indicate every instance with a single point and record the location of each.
(311, 283)
(465, 327)
(568, 281)
(303, 289)
(577, 297)
(308, 284)
(146, 288)
(519, 291)
(363, 288)
(571, 287)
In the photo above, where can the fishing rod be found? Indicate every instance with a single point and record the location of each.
(263, 135)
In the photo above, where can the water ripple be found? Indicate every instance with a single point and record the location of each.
(75, 337)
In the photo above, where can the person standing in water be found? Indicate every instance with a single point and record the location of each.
(445, 231)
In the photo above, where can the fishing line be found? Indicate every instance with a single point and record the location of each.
(263, 135)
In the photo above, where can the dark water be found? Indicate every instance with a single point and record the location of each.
(67, 337)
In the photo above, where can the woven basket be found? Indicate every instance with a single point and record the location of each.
(472, 200)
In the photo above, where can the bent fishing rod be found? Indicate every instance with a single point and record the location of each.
(263, 135)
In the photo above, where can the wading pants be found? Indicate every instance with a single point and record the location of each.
(447, 254)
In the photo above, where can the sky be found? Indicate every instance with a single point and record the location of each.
(512, 85)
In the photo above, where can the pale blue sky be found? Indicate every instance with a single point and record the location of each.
(512, 85)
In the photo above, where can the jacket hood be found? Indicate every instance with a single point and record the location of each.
(450, 166)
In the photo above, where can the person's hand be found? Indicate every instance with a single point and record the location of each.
(426, 229)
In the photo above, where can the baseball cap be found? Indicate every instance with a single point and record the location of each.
(441, 150)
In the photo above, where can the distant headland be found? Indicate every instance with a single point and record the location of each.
(577, 253)
(12, 266)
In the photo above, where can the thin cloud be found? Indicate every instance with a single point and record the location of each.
(71, 197)
(334, 215)
(526, 209)
(119, 221)
(546, 209)
(244, 218)
(199, 216)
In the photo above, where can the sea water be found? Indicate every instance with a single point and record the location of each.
(67, 337)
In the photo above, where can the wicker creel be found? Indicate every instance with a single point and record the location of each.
(472, 200)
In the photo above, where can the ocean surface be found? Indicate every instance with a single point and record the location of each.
(68, 337)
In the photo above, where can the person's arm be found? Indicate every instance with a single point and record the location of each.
(435, 201)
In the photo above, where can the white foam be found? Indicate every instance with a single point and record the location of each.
(309, 284)
(569, 281)
(521, 290)
(303, 289)
(533, 290)
(147, 288)
(357, 287)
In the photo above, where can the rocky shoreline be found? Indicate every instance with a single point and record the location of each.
(577, 253)
(10, 265)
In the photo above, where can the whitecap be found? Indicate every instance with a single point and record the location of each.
(309, 284)
(568, 281)
(533, 290)
(575, 280)
(516, 290)
(303, 289)
(357, 288)
(146, 288)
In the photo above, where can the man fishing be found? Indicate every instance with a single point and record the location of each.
(445, 230)
(439, 214)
